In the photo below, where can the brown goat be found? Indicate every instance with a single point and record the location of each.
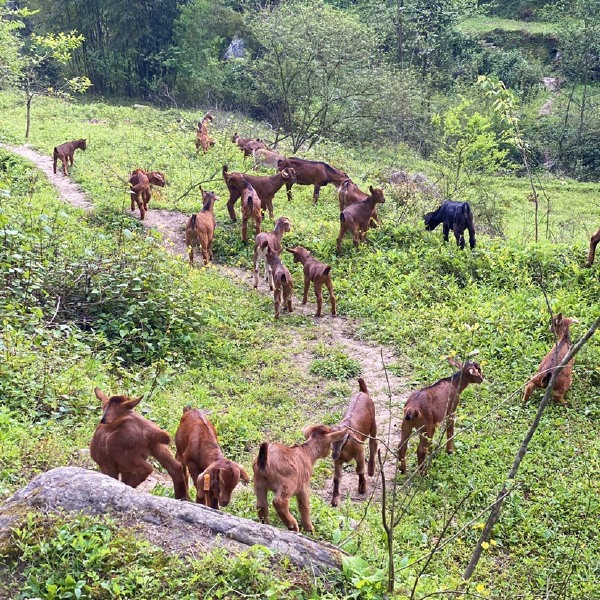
(203, 140)
(349, 193)
(65, 152)
(248, 146)
(200, 229)
(317, 272)
(250, 210)
(283, 285)
(359, 423)
(287, 471)
(123, 440)
(269, 240)
(560, 326)
(427, 408)
(592, 253)
(356, 218)
(141, 192)
(310, 172)
(266, 188)
(214, 476)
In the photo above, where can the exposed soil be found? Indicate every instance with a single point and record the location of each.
(335, 331)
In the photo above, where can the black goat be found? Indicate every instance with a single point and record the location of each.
(456, 216)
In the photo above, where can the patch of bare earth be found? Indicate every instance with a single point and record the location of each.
(334, 331)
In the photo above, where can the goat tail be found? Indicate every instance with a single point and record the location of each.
(55, 152)
(262, 456)
(327, 270)
(363, 386)
(466, 210)
(224, 171)
(193, 222)
(411, 414)
(342, 218)
(250, 202)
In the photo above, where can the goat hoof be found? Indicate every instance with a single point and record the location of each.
(335, 502)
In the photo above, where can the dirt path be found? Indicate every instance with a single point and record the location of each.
(338, 331)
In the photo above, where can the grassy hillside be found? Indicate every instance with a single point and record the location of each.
(139, 320)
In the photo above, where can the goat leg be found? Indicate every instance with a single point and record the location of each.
(303, 499)
(163, 455)
(337, 475)
(282, 506)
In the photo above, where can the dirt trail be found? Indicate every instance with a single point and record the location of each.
(338, 331)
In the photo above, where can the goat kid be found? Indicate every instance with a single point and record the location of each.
(266, 158)
(310, 172)
(359, 423)
(283, 285)
(269, 240)
(203, 140)
(250, 210)
(200, 229)
(214, 476)
(356, 218)
(123, 440)
(317, 272)
(141, 193)
(560, 327)
(455, 216)
(65, 152)
(248, 146)
(287, 471)
(427, 408)
(349, 193)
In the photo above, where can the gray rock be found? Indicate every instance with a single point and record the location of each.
(178, 526)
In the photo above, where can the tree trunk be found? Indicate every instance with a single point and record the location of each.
(28, 120)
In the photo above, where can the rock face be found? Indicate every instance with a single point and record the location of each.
(178, 526)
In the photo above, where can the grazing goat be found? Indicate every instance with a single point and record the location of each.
(309, 172)
(141, 193)
(214, 476)
(123, 440)
(283, 285)
(560, 327)
(359, 421)
(66, 153)
(427, 408)
(349, 193)
(456, 216)
(356, 218)
(287, 471)
(250, 210)
(248, 146)
(317, 272)
(203, 140)
(266, 188)
(267, 158)
(592, 253)
(200, 228)
(269, 240)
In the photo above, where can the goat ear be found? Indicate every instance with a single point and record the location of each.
(131, 404)
(335, 436)
(371, 189)
(101, 396)
(244, 476)
(454, 363)
(221, 482)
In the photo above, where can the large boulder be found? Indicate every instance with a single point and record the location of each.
(176, 525)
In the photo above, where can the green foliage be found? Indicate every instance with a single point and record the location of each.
(335, 364)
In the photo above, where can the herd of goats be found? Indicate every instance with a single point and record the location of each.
(123, 440)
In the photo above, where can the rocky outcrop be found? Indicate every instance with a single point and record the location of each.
(178, 526)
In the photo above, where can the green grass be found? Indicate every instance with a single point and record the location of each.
(405, 287)
(481, 25)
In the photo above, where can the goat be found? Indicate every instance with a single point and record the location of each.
(266, 188)
(200, 229)
(123, 440)
(266, 158)
(282, 283)
(356, 218)
(592, 253)
(309, 172)
(269, 240)
(141, 193)
(456, 216)
(560, 326)
(349, 193)
(317, 272)
(359, 422)
(65, 152)
(203, 140)
(198, 450)
(427, 408)
(250, 210)
(248, 146)
(287, 471)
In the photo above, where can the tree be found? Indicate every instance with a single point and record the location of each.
(35, 77)
(10, 45)
(318, 73)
